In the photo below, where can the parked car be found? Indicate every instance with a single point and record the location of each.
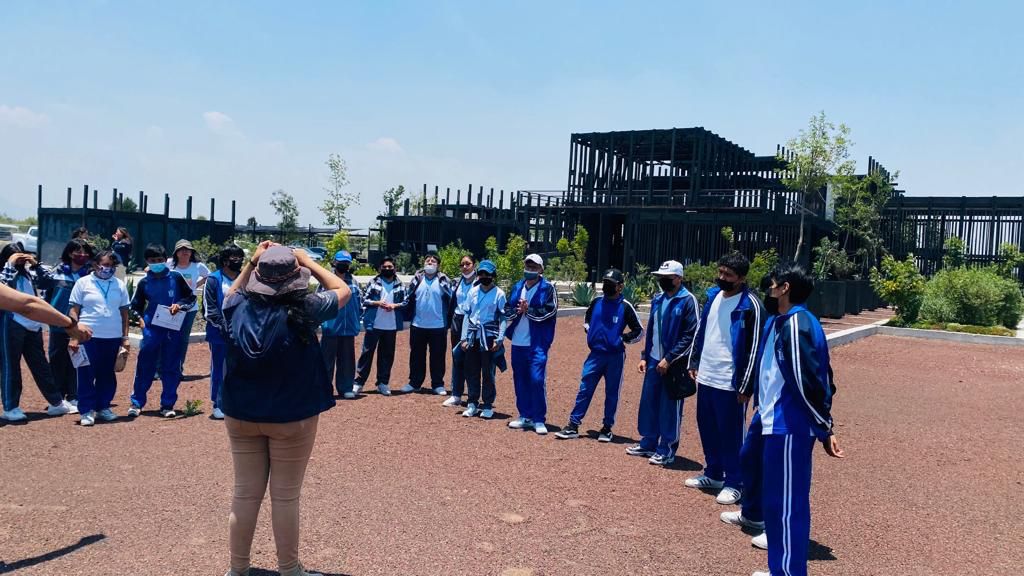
(7, 232)
(30, 239)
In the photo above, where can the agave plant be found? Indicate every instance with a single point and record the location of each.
(582, 294)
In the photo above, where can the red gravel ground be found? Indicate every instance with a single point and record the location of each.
(401, 486)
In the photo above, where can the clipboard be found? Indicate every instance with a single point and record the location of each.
(163, 318)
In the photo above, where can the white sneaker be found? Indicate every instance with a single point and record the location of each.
(540, 428)
(168, 413)
(73, 403)
(134, 411)
(88, 419)
(760, 541)
(407, 389)
(728, 496)
(520, 423)
(662, 459)
(383, 389)
(348, 395)
(440, 391)
(218, 414)
(452, 401)
(487, 413)
(703, 482)
(470, 411)
(736, 518)
(108, 415)
(61, 409)
(357, 388)
(14, 415)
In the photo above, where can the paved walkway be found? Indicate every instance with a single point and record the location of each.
(853, 320)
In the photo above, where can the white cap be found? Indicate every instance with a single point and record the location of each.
(536, 259)
(669, 268)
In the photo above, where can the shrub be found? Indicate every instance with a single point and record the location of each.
(955, 253)
(582, 294)
(570, 263)
(1010, 258)
(450, 257)
(508, 262)
(954, 327)
(762, 264)
(206, 251)
(365, 270)
(640, 286)
(900, 284)
(337, 242)
(404, 263)
(699, 278)
(975, 296)
(831, 261)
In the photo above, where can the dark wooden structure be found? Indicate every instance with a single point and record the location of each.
(57, 224)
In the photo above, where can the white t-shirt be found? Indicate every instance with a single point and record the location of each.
(521, 336)
(385, 319)
(716, 366)
(193, 273)
(655, 325)
(101, 302)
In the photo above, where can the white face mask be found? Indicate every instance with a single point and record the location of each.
(430, 269)
(468, 275)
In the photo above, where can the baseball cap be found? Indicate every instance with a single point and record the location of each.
(183, 244)
(536, 259)
(487, 266)
(669, 268)
(277, 272)
(614, 275)
(342, 256)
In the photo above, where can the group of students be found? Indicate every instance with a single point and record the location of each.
(87, 285)
(734, 349)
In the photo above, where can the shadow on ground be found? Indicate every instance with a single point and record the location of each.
(28, 562)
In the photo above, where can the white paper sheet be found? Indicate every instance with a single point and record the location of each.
(163, 318)
(80, 358)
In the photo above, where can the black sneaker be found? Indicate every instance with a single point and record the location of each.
(605, 435)
(569, 432)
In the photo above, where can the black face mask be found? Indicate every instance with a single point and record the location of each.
(609, 290)
(342, 268)
(771, 304)
(234, 265)
(725, 285)
(666, 284)
(389, 274)
(485, 280)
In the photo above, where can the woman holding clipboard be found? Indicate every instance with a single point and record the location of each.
(99, 301)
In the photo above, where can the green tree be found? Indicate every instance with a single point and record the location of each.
(954, 253)
(206, 251)
(1010, 259)
(451, 255)
(729, 236)
(288, 212)
(128, 205)
(820, 156)
(859, 203)
(251, 222)
(337, 200)
(340, 241)
(509, 262)
(831, 261)
(393, 198)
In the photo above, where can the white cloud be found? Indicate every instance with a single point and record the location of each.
(21, 116)
(385, 144)
(218, 121)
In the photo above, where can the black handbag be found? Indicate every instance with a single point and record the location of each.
(677, 381)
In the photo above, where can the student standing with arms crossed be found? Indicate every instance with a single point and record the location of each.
(795, 391)
(670, 331)
(532, 310)
(723, 361)
(383, 318)
(611, 322)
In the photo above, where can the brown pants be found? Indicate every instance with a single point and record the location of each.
(278, 452)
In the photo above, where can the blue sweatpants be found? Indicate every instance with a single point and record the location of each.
(607, 365)
(751, 460)
(218, 357)
(787, 502)
(660, 416)
(529, 374)
(164, 344)
(720, 423)
(97, 381)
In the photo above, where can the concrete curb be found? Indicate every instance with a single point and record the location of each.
(960, 337)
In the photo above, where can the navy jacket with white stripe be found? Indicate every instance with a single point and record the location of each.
(677, 326)
(745, 332)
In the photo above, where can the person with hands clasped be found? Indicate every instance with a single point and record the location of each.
(160, 288)
(100, 301)
(481, 343)
(428, 308)
(670, 331)
(383, 318)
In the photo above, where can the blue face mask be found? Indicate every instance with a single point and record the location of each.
(159, 268)
(104, 272)
(530, 275)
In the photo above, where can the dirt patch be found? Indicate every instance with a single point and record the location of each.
(401, 486)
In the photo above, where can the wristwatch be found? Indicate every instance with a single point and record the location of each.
(74, 322)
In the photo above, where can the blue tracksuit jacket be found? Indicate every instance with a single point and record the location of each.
(745, 330)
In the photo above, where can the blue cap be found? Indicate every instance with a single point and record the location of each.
(342, 256)
(487, 266)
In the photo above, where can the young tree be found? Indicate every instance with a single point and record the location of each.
(392, 197)
(251, 222)
(820, 156)
(128, 205)
(338, 200)
(284, 205)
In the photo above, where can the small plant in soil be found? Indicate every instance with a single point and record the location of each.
(193, 407)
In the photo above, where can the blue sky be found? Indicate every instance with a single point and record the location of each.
(237, 99)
